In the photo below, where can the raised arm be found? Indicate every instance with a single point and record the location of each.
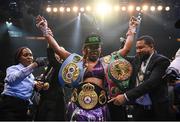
(130, 36)
(42, 24)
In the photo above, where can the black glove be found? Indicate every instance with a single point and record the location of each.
(41, 61)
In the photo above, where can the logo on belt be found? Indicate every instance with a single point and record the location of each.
(120, 69)
(88, 98)
(70, 72)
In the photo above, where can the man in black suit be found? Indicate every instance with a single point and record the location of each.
(52, 105)
(148, 91)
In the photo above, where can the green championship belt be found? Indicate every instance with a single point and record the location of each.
(119, 71)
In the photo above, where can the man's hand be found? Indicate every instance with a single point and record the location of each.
(39, 85)
(118, 100)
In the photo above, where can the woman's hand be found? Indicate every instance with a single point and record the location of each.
(42, 24)
(133, 23)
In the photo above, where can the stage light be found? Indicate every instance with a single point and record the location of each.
(8, 23)
(159, 8)
(88, 8)
(55, 9)
(105, 8)
(145, 8)
(14, 9)
(13, 5)
(116, 8)
(123, 8)
(152, 8)
(75, 8)
(138, 8)
(109, 8)
(130, 8)
(167, 8)
(61, 9)
(82, 9)
(102, 8)
(48, 9)
(68, 9)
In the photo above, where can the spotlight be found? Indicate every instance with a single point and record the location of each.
(116, 8)
(75, 8)
(61, 9)
(14, 9)
(109, 8)
(159, 8)
(82, 9)
(13, 5)
(152, 8)
(68, 9)
(130, 8)
(123, 8)
(138, 8)
(48, 9)
(55, 9)
(103, 8)
(88, 8)
(8, 23)
(145, 8)
(167, 8)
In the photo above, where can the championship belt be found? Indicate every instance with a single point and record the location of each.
(119, 71)
(89, 96)
(71, 70)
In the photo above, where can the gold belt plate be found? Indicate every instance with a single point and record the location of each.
(70, 72)
(88, 98)
(120, 69)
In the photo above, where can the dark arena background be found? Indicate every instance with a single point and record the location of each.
(73, 20)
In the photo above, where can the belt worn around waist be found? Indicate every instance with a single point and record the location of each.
(89, 96)
(145, 107)
(12, 98)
